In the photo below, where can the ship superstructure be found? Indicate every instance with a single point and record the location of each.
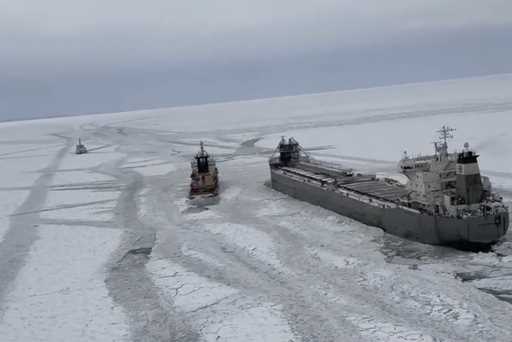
(204, 176)
(445, 201)
(449, 184)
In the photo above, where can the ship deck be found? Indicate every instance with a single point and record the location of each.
(361, 184)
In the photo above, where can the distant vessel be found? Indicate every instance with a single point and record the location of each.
(80, 148)
(204, 177)
(445, 201)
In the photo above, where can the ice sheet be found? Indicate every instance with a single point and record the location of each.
(60, 294)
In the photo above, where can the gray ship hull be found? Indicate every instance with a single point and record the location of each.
(400, 221)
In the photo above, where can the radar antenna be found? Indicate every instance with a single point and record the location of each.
(441, 146)
(445, 133)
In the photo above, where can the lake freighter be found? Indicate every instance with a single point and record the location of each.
(445, 201)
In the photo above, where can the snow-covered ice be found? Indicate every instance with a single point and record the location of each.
(149, 167)
(249, 240)
(220, 313)
(60, 294)
(107, 246)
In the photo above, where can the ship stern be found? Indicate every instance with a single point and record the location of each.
(487, 229)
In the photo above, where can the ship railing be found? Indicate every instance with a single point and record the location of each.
(350, 193)
(322, 180)
(372, 200)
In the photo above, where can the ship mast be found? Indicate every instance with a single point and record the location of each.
(441, 146)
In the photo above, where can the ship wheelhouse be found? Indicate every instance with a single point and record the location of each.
(204, 176)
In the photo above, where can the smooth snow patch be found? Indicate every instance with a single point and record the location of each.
(231, 193)
(340, 261)
(253, 242)
(79, 178)
(200, 256)
(152, 167)
(241, 162)
(182, 204)
(138, 160)
(9, 202)
(90, 160)
(24, 172)
(80, 205)
(202, 215)
(271, 208)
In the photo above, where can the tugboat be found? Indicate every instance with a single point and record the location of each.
(204, 177)
(445, 201)
(80, 148)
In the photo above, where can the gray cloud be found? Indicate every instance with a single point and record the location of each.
(139, 53)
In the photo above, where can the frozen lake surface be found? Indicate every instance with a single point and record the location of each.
(107, 247)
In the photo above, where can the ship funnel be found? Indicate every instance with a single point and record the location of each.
(468, 178)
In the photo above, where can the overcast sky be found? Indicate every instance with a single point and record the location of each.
(60, 57)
